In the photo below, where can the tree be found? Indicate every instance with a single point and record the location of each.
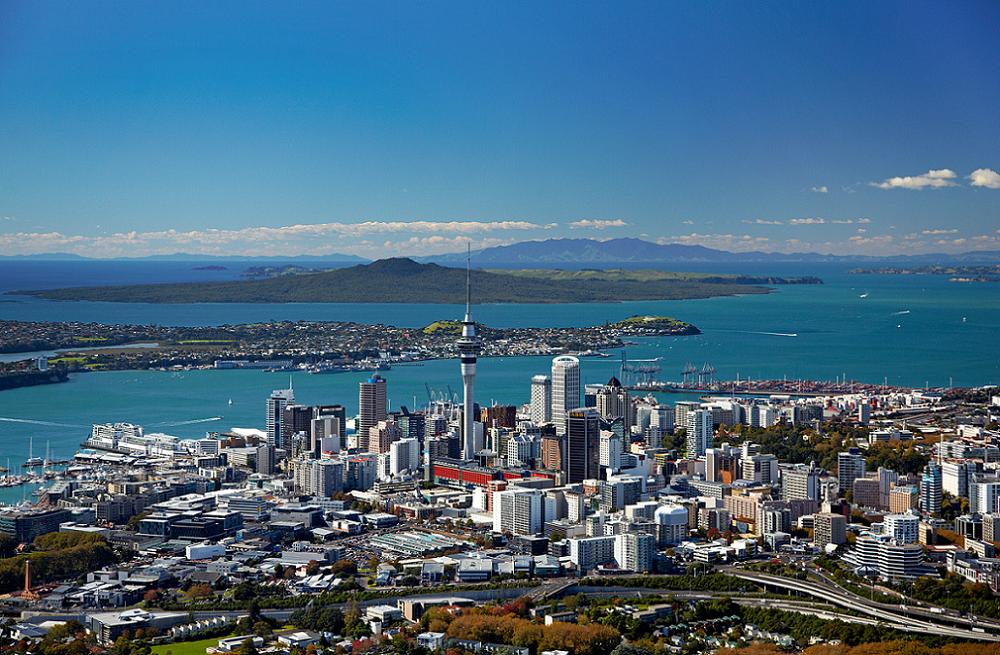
(199, 591)
(247, 647)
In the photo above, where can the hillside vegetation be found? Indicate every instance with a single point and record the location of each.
(403, 280)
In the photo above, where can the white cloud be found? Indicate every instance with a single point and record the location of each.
(820, 189)
(688, 222)
(287, 240)
(938, 231)
(932, 179)
(763, 221)
(807, 221)
(985, 177)
(596, 224)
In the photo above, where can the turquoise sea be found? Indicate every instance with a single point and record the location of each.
(910, 330)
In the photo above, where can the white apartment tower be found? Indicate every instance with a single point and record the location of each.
(541, 399)
(565, 389)
(699, 433)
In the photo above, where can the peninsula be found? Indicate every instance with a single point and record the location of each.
(402, 280)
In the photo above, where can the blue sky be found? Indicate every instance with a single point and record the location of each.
(133, 128)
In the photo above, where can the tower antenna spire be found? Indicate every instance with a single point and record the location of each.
(468, 281)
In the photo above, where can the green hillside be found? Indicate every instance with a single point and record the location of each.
(406, 281)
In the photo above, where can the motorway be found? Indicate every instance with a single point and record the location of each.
(900, 617)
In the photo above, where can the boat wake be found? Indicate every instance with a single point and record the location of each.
(191, 422)
(900, 313)
(8, 419)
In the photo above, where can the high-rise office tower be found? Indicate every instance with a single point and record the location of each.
(517, 511)
(468, 348)
(382, 435)
(371, 400)
(931, 489)
(565, 389)
(613, 402)
(325, 433)
(850, 466)
(699, 433)
(583, 445)
(404, 455)
(412, 424)
(265, 459)
(276, 403)
(340, 412)
(611, 451)
(541, 399)
(800, 482)
(295, 419)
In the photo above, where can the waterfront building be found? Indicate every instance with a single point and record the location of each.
(23, 525)
(372, 403)
(565, 389)
(276, 403)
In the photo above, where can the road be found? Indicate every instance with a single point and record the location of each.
(898, 617)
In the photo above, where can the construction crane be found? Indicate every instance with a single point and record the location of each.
(638, 372)
(687, 374)
(706, 376)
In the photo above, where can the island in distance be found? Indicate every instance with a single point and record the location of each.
(403, 280)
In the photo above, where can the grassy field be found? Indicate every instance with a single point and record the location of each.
(186, 647)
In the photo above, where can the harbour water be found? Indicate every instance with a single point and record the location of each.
(907, 330)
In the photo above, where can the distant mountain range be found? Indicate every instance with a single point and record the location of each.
(581, 253)
(632, 253)
(339, 258)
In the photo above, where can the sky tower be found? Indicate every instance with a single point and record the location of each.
(468, 348)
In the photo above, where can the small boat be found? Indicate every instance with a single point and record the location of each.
(230, 401)
(864, 295)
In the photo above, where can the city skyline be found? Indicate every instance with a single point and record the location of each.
(397, 130)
